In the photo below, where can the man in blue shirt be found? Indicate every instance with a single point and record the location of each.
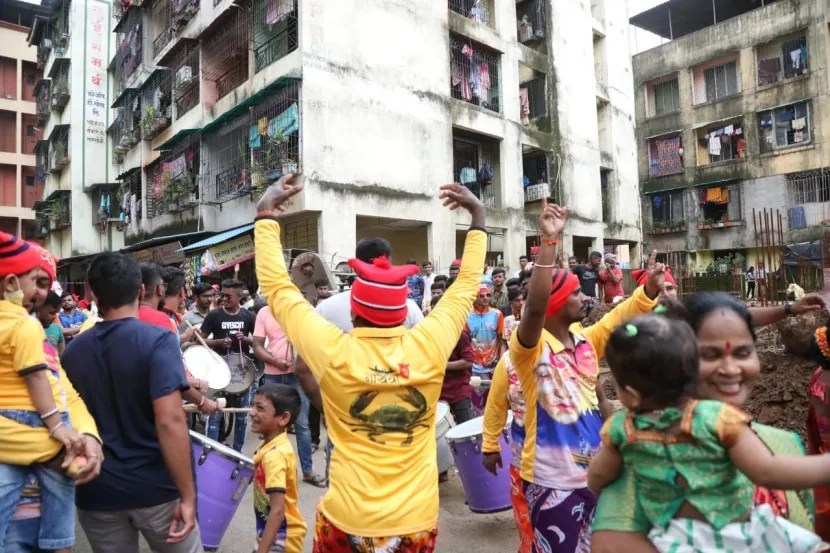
(71, 317)
(130, 375)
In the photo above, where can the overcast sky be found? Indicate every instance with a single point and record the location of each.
(642, 40)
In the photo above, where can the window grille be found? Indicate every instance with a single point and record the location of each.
(474, 74)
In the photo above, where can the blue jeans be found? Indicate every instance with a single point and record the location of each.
(240, 424)
(57, 493)
(301, 428)
(22, 537)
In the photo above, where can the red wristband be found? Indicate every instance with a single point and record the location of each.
(266, 213)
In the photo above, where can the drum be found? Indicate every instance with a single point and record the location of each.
(485, 493)
(205, 364)
(443, 423)
(242, 371)
(222, 478)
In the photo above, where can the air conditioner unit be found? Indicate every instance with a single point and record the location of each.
(184, 76)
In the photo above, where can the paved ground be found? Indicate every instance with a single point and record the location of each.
(460, 529)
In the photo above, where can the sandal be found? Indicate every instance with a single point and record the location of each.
(315, 480)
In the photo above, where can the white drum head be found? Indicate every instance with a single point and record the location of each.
(221, 449)
(205, 364)
(442, 410)
(471, 428)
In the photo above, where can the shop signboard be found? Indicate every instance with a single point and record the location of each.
(230, 253)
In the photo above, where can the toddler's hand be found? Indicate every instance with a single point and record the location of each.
(71, 440)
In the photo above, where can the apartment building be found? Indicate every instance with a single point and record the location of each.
(376, 103)
(732, 118)
(71, 45)
(19, 131)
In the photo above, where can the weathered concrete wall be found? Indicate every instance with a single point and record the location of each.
(763, 184)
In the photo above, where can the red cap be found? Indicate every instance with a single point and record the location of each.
(641, 276)
(564, 284)
(48, 262)
(379, 291)
(17, 256)
(484, 289)
(456, 263)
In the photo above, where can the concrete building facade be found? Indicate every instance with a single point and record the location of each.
(377, 104)
(71, 44)
(19, 131)
(732, 119)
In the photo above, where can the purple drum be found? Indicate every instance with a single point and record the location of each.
(485, 493)
(222, 477)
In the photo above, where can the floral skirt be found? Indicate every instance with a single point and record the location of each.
(330, 539)
(561, 519)
(763, 533)
(521, 514)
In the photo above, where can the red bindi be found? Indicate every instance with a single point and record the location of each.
(728, 346)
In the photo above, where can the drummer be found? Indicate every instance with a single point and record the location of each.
(380, 383)
(232, 329)
(152, 296)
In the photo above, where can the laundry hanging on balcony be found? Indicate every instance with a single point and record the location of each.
(277, 10)
(280, 127)
(717, 195)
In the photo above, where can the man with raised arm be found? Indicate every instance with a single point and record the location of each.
(380, 383)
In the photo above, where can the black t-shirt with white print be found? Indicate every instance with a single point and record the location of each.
(222, 324)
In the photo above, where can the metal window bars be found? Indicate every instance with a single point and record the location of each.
(58, 149)
(469, 157)
(41, 160)
(182, 11)
(156, 103)
(126, 127)
(60, 21)
(474, 74)
(274, 32)
(226, 161)
(129, 49)
(59, 73)
(173, 180)
(43, 101)
(530, 20)
(225, 52)
(160, 29)
(183, 61)
(476, 10)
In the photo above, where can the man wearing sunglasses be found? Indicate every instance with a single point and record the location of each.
(486, 326)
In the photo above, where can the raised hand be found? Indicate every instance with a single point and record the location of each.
(457, 195)
(656, 276)
(810, 302)
(279, 193)
(552, 220)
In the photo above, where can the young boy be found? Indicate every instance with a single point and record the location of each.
(280, 526)
(46, 314)
(33, 427)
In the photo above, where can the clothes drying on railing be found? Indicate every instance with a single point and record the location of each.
(282, 126)
(277, 10)
(470, 75)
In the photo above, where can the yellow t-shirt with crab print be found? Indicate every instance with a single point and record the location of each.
(380, 387)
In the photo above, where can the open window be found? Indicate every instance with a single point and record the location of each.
(785, 126)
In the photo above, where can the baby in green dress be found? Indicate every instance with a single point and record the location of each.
(693, 461)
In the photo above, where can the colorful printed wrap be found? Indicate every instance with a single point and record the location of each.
(486, 328)
(330, 539)
(562, 419)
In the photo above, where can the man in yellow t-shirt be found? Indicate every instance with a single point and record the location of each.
(380, 383)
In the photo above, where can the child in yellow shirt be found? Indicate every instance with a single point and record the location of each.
(279, 524)
(34, 427)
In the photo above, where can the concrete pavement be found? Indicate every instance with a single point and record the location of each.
(460, 530)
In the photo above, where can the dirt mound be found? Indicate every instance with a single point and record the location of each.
(598, 312)
(795, 332)
(780, 396)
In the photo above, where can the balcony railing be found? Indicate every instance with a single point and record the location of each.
(43, 101)
(58, 158)
(231, 183)
(187, 99)
(232, 79)
(809, 215)
(530, 18)
(475, 10)
(182, 11)
(163, 39)
(474, 74)
(43, 50)
(282, 44)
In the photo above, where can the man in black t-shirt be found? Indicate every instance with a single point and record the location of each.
(589, 274)
(230, 329)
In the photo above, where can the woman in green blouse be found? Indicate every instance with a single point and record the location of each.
(729, 368)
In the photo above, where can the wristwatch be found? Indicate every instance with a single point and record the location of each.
(788, 309)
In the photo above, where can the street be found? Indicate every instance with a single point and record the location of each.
(459, 529)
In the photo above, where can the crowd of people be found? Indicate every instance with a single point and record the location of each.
(92, 425)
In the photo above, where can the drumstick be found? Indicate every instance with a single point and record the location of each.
(190, 408)
(478, 382)
(202, 340)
